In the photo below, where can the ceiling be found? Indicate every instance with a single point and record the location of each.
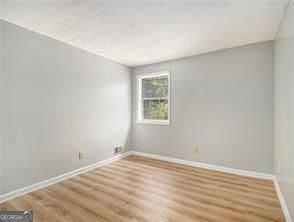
(140, 32)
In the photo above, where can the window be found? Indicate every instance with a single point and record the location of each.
(154, 98)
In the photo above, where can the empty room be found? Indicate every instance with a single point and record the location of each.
(146, 110)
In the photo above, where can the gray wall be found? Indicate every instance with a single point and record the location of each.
(56, 101)
(1, 155)
(284, 107)
(221, 101)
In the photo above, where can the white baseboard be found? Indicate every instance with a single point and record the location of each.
(209, 166)
(59, 178)
(282, 201)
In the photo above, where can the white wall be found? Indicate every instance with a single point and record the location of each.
(56, 101)
(284, 107)
(221, 101)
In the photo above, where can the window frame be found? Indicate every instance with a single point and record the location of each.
(140, 119)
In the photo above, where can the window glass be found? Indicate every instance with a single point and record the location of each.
(154, 97)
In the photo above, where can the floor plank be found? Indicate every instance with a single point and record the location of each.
(149, 190)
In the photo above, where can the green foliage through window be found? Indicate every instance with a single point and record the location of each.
(159, 111)
(155, 98)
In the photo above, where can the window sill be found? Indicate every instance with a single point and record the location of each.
(154, 122)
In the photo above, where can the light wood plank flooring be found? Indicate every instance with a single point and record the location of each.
(144, 189)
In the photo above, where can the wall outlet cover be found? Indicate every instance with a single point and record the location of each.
(196, 149)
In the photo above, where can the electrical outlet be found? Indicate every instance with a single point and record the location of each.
(196, 149)
(81, 155)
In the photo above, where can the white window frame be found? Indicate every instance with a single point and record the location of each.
(140, 119)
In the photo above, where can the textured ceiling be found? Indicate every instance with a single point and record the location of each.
(144, 32)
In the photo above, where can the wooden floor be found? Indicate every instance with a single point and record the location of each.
(143, 189)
